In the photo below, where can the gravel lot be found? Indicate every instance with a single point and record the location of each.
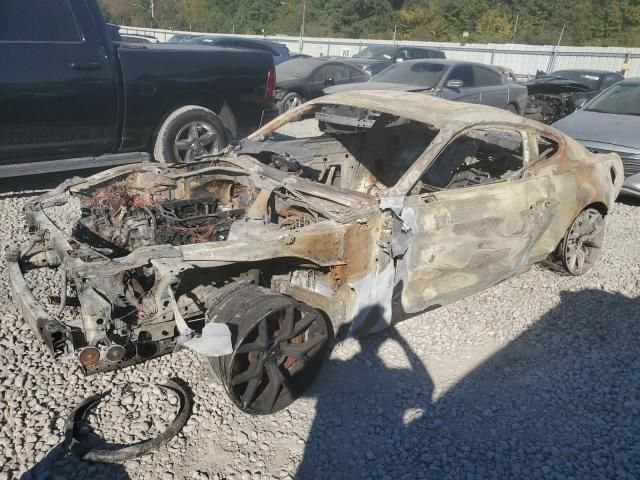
(538, 377)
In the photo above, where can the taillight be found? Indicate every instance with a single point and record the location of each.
(271, 85)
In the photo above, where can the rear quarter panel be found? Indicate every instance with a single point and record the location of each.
(158, 79)
(580, 179)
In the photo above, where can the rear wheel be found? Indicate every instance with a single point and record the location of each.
(279, 347)
(581, 247)
(189, 133)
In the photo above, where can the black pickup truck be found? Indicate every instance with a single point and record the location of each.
(73, 96)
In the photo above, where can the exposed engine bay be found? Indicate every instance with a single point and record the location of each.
(552, 98)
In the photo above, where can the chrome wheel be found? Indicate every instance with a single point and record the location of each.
(292, 102)
(194, 140)
(582, 245)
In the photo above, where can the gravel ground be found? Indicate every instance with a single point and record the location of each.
(538, 377)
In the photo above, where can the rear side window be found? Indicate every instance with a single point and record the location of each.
(547, 148)
(38, 21)
(486, 77)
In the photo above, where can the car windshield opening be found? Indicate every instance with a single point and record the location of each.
(348, 147)
(621, 99)
(424, 74)
(377, 52)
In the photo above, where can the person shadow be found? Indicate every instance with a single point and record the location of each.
(363, 406)
(60, 464)
(560, 401)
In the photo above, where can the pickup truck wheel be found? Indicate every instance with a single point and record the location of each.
(189, 133)
(289, 101)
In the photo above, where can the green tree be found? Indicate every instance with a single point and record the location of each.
(495, 25)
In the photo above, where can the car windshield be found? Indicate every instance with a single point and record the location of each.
(347, 146)
(377, 52)
(621, 99)
(295, 68)
(589, 79)
(424, 74)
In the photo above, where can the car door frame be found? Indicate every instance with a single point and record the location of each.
(85, 87)
(492, 95)
(461, 241)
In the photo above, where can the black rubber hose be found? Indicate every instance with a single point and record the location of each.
(77, 445)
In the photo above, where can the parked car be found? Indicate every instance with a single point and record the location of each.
(279, 51)
(304, 78)
(182, 38)
(449, 79)
(556, 95)
(611, 123)
(375, 58)
(129, 38)
(91, 101)
(389, 204)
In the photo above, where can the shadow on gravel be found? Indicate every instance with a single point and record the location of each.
(60, 464)
(560, 401)
(629, 200)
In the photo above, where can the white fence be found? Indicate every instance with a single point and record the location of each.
(522, 59)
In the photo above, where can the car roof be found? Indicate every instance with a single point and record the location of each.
(428, 109)
(315, 61)
(397, 47)
(584, 70)
(452, 63)
(236, 37)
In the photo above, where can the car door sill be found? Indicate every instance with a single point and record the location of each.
(48, 166)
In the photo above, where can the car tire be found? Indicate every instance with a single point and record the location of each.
(581, 246)
(188, 133)
(279, 346)
(289, 101)
(511, 108)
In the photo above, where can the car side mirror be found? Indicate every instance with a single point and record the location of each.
(455, 84)
(580, 103)
(329, 81)
(399, 59)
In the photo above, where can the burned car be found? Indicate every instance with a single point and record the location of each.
(339, 217)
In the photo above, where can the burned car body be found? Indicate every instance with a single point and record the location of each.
(395, 204)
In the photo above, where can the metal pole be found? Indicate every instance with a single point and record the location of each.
(555, 51)
(153, 16)
(304, 14)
